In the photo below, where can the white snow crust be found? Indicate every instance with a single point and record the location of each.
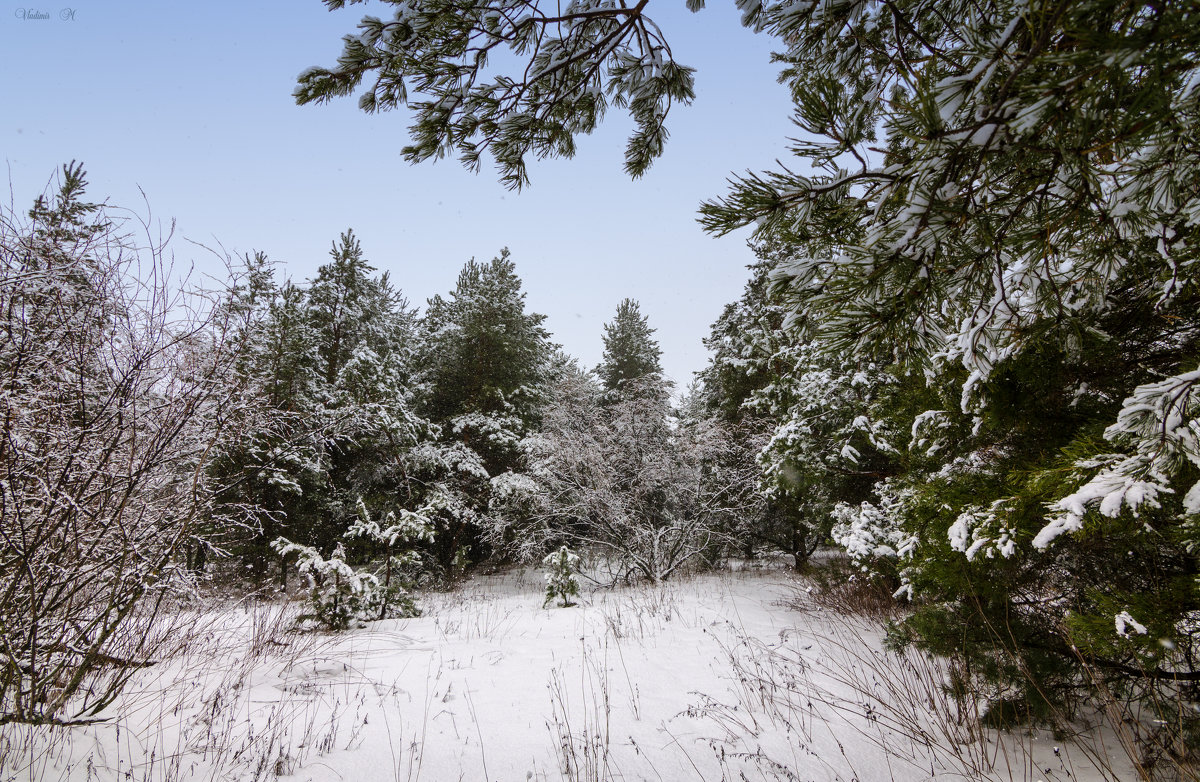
(706, 679)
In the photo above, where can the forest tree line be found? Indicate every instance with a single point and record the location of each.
(156, 432)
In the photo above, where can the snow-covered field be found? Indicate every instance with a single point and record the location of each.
(720, 677)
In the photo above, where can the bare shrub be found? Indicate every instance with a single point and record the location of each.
(837, 685)
(1155, 722)
(115, 385)
(619, 481)
(834, 584)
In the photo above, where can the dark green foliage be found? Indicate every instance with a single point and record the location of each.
(483, 353)
(433, 57)
(811, 421)
(1036, 626)
(630, 350)
(332, 366)
(485, 362)
(561, 585)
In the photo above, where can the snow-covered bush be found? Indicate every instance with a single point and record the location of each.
(874, 538)
(869, 534)
(341, 594)
(117, 386)
(515, 525)
(561, 567)
(622, 478)
(392, 599)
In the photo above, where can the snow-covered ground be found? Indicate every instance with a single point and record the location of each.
(720, 677)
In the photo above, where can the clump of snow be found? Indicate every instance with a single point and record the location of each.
(1125, 622)
(982, 530)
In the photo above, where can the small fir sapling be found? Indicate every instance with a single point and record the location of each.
(339, 593)
(561, 567)
(392, 599)
(460, 563)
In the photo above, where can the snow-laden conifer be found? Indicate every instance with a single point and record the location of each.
(339, 593)
(484, 363)
(561, 584)
(630, 350)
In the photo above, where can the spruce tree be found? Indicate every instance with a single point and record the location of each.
(483, 352)
(630, 350)
(485, 362)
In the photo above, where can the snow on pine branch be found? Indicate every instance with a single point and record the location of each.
(970, 187)
(977, 530)
(408, 527)
(1159, 422)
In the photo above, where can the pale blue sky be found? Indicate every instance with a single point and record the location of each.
(192, 103)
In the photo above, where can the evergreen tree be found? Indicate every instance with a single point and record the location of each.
(995, 224)
(485, 365)
(742, 344)
(364, 334)
(561, 567)
(281, 460)
(630, 350)
(811, 419)
(483, 353)
(332, 366)
(339, 300)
